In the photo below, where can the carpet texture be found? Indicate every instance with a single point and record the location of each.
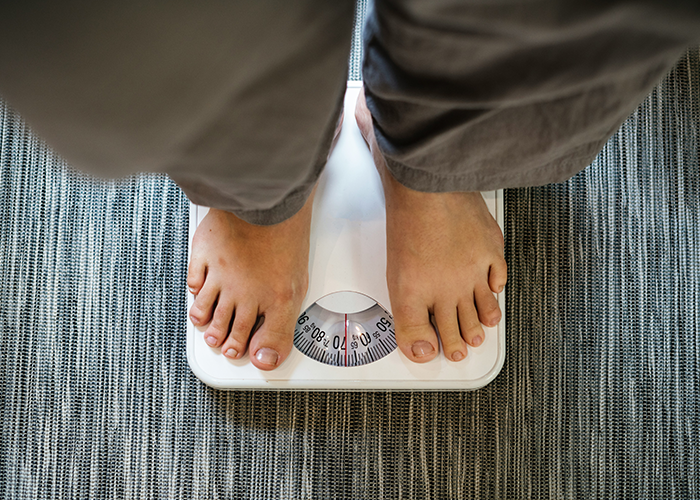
(598, 398)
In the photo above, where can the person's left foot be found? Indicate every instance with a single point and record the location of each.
(444, 259)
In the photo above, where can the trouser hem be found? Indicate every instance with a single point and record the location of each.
(491, 179)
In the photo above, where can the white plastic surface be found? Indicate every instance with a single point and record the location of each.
(345, 302)
(348, 252)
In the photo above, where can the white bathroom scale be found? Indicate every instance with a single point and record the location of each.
(344, 338)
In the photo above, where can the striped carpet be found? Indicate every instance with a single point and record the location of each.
(599, 396)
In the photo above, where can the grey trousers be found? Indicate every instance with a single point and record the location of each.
(237, 101)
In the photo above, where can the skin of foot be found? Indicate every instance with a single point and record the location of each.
(444, 262)
(249, 281)
(242, 274)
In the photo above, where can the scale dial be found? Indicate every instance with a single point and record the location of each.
(345, 329)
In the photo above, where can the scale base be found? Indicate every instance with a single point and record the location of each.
(348, 252)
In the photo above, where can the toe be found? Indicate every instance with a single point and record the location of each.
(415, 334)
(201, 311)
(245, 318)
(487, 306)
(448, 327)
(218, 329)
(271, 344)
(469, 324)
(498, 276)
(196, 274)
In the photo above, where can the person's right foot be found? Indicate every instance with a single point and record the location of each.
(444, 259)
(239, 272)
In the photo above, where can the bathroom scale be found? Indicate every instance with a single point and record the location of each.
(344, 336)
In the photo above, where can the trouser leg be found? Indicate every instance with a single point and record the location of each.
(469, 96)
(236, 101)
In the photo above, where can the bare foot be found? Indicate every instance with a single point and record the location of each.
(240, 272)
(444, 259)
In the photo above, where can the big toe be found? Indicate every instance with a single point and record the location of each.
(272, 343)
(415, 334)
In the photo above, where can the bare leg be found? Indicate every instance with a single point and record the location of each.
(444, 258)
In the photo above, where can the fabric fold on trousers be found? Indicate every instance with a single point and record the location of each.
(475, 96)
(236, 101)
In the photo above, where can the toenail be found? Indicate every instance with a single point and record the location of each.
(194, 320)
(477, 341)
(457, 356)
(192, 290)
(267, 356)
(231, 353)
(211, 340)
(422, 348)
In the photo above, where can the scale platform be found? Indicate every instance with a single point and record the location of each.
(344, 335)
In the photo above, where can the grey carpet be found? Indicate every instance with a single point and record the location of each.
(599, 395)
(356, 49)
